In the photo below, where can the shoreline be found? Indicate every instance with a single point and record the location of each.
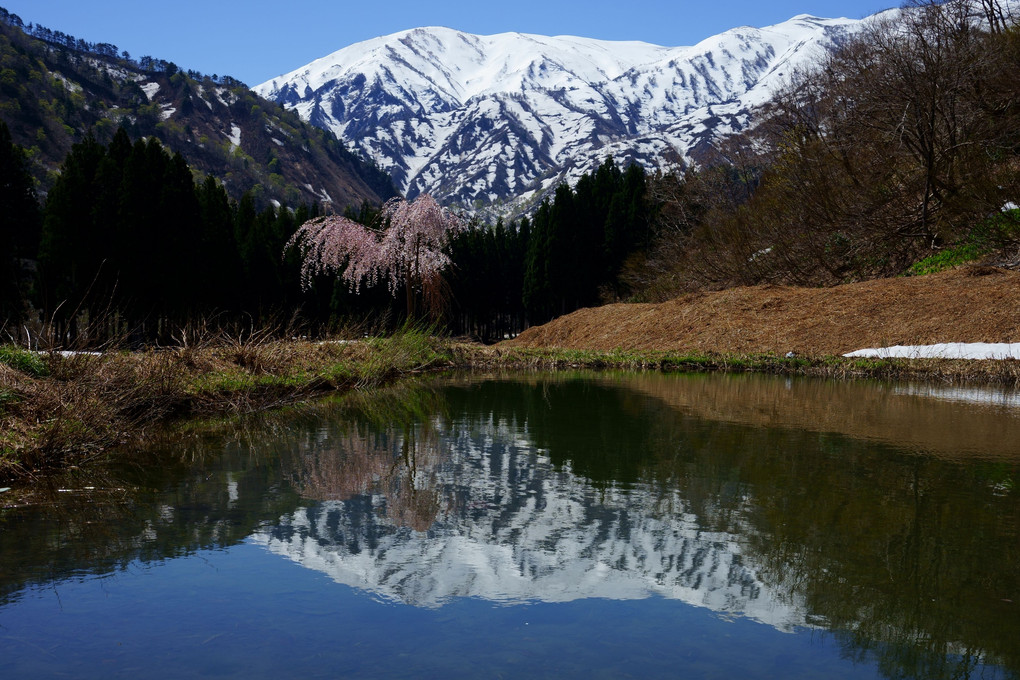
(58, 412)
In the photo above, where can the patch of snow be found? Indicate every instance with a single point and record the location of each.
(225, 96)
(68, 85)
(201, 95)
(168, 111)
(968, 395)
(948, 350)
(321, 194)
(68, 353)
(235, 136)
(150, 90)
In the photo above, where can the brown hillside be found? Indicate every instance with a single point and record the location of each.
(970, 304)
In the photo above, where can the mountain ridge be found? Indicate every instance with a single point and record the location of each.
(56, 90)
(514, 113)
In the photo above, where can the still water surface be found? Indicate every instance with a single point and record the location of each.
(588, 525)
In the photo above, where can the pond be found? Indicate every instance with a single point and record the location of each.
(542, 525)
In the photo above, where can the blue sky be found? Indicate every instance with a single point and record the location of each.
(255, 40)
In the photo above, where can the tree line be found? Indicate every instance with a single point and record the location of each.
(567, 255)
(127, 233)
(106, 50)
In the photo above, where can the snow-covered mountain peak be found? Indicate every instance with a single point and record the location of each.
(468, 65)
(478, 119)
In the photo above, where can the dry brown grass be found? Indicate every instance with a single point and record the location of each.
(82, 404)
(958, 426)
(970, 304)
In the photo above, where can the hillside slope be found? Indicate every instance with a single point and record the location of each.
(55, 89)
(970, 304)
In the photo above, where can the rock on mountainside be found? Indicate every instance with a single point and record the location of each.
(479, 120)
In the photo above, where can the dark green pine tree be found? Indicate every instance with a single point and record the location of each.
(245, 237)
(579, 242)
(220, 263)
(70, 251)
(177, 223)
(140, 249)
(538, 291)
(19, 227)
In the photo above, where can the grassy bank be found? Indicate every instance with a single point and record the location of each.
(59, 411)
(941, 371)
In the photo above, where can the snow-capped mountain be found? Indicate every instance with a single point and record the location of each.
(484, 119)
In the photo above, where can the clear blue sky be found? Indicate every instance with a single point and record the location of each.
(255, 40)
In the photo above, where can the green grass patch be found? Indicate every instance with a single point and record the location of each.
(341, 373)
(984, 239)
(23, 360)
(224, 382)
(949, 258)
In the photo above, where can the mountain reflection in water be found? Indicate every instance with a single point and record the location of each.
(876, 513)
(627, 486)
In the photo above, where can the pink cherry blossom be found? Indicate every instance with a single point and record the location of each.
(408, 250)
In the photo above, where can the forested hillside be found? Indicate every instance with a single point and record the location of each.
(898, 153)
(55, 88)
(129, 239)
(129, 242)
(569, 254)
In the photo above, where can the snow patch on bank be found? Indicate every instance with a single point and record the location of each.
(947, 350)
(967, 395)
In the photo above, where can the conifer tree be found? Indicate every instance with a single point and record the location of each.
(19, 226)
(70, 258)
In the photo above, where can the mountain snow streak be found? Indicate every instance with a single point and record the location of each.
(481, 120)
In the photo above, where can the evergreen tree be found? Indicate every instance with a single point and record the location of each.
(219, 263)
(538, 291)
(578, 242)
(244, 236)
(70, 255)
(19, 226)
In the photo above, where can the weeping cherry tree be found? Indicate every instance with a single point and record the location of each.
(406, 249)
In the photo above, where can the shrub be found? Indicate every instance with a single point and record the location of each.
(988, 236)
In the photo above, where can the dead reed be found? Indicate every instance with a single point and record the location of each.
(60, 409)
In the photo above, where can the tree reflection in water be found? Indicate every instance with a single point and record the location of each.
(889, 520)
(908, 554)
(393, 454)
